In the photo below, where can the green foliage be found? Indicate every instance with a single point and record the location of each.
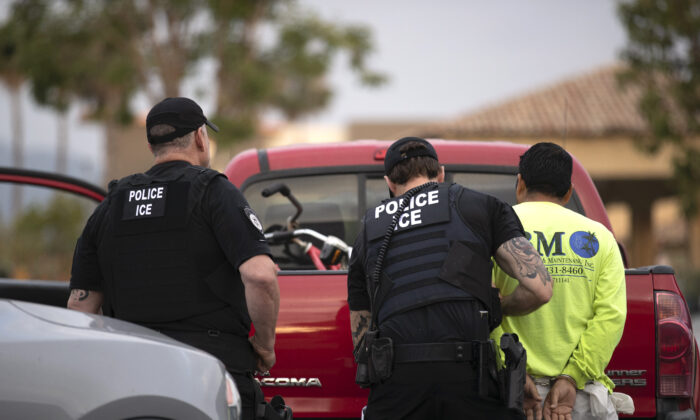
(75, 50)
(15, 36)
(42, 239)
(5, 262)
(688, 280)
(286, 74)
(304, 53)
(232, 128)
(663, 58)
(270, 55)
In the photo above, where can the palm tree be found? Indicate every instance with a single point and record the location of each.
(108, 51)
(50, 67)
(12, 77)
(16, 35)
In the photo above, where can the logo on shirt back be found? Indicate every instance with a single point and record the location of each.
(584, 244)
(145, 202)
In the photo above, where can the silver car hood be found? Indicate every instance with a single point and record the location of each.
(62, 364)
(83, 321)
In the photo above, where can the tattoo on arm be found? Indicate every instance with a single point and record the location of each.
(82, 300)
(79, 294)
(361, 327)
(529, 263)
(360, 324)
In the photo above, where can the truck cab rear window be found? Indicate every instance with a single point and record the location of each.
(335, 204)
(501, 186)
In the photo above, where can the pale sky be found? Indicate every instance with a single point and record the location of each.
(447, 57)
(444, 58)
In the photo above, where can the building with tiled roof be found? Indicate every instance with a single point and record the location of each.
(589, 106)
(596, 121)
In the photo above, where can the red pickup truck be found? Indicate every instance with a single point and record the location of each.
(311, 198)
(656, 361)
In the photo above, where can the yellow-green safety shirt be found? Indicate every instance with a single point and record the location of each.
(576, 332)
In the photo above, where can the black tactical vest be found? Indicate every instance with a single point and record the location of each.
(160, 260)
(433, 255)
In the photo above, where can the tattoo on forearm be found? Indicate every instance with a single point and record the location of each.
(79, 294)
(528, 262)
(360, 328)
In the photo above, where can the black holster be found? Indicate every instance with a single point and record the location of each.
(375, 359)
(361, 354)
(512, 376)
(274, 410)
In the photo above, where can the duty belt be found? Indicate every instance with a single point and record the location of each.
(436, 352)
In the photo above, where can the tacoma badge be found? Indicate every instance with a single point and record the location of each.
(287, 382)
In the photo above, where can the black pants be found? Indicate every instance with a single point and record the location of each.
(433, 391)
(246, 387)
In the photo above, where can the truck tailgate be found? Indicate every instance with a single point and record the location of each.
(633, 364)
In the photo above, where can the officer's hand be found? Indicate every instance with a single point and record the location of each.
(532, 403)
(560, 401)
(266, 356)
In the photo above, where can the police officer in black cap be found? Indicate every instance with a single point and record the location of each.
(420, 295)
(179, 250)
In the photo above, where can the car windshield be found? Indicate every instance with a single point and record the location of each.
(335, 204)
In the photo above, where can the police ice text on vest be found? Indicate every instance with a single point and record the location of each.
(411, 215)
(145, 194)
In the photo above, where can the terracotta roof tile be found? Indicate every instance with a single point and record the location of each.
(591, 105)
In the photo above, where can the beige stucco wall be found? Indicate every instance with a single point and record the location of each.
(614, 157)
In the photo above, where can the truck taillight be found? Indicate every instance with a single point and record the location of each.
(674, 337)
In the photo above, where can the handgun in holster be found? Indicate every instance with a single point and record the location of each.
(513, 384)
(274, 410)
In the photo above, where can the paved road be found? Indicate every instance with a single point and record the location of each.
(696, 326)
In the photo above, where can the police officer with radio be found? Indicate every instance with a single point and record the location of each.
(178, 249)
(420, 295)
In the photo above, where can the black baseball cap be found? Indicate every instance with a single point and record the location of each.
(181, 113)
(394, 156)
